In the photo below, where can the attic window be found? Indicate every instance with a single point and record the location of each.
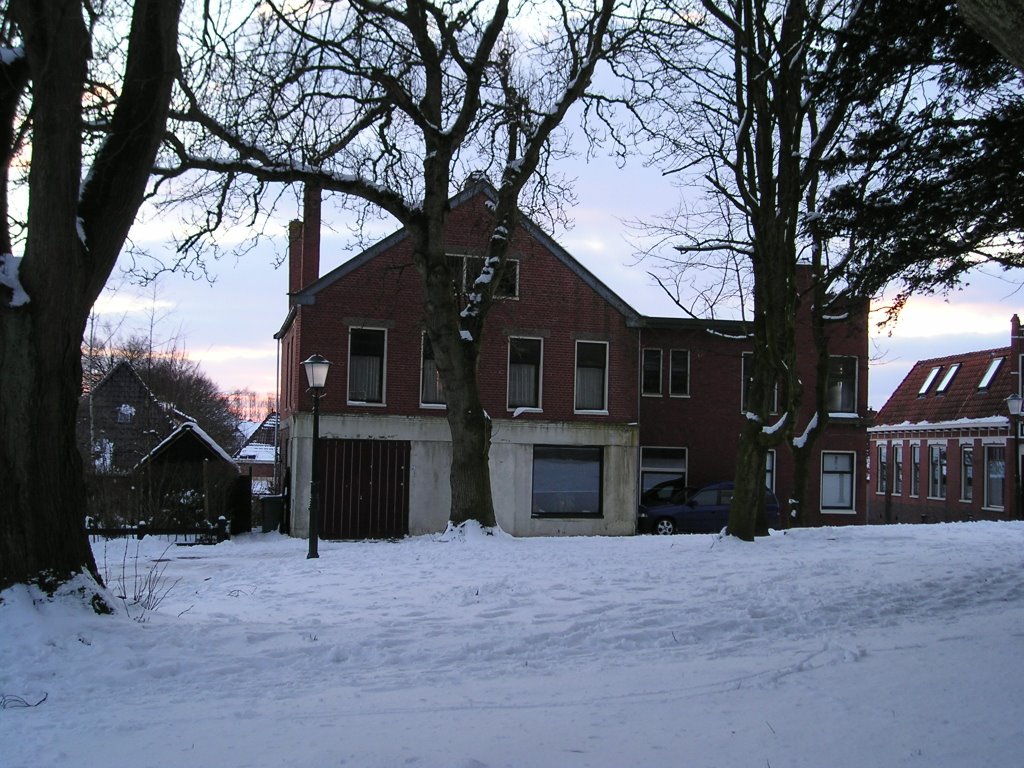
(125, 414)
(947, 379)
(928, 381)
(993, 369)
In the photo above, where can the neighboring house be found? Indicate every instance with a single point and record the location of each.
(119, 422)
(590, 400)
(942, 447)
(143, 459)
(257, 457)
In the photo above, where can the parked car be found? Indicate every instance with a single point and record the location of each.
(669, 492)
(705, 510)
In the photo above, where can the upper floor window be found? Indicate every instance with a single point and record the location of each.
(592, 376)
(366, 356)
(929, 380)
(525, 358)
(748, 376)
(467, 269)
(125, 414)
(651, 379)
(842, 385)
(431, 390)
(990, 373)
(679, 373)
(947, 379)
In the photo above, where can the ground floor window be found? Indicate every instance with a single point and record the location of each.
(837, 477)
(937, 471)
(662, 473)
(966, 473)
(567, 480)
(995, 476)
(882, 470)
(915, 470)
(769, 470)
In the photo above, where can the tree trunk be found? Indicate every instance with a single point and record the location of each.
(75, 232)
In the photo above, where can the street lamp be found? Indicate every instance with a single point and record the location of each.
(316, 374)
(1013, 405)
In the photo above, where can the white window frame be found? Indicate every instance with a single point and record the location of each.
(915, 470)
(854, 384)
(938, 457)
(993, 368)
(881, 468)
(576, 379)
(671, 355)
(383, 369)
(539, 407)
(643, 371)
(989, 463)
(897, 469)
(929, 380)
(966, 472)
(852, 508)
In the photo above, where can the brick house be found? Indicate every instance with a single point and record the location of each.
(942, 446)
(566, 374)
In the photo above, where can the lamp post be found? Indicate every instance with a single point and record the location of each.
(316, 374)
(1013, 405)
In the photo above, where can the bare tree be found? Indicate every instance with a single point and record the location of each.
(92, 140)
(394, 105)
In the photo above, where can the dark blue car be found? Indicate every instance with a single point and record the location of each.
(705, 510)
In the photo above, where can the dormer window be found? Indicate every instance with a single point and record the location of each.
(932, 375)
(947, 379)
(993, 369)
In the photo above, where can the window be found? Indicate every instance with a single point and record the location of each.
(769, 471)
(842, 385)
(524, 372)
(882, 470)
(567, 480)
(366, 365)
(995, 476)
(990, 373)
(915, 470)
(591, 376)
(748, 374)
(929, 379)
(466, 269)
(431, 391)
(937, 471)
(125, 414)
(651, 380)
(947, 379)
(966, 473)
(663, 471)
(679, 373)
(837, 474)
(897, 470)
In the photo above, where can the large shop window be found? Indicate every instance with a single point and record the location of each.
(366, 365)
(567, 480)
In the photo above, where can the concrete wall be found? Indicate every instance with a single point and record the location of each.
(511, 461)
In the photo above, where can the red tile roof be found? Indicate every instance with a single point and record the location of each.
(963, 398)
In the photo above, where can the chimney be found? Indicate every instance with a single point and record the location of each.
(304, 243)
(310, 235)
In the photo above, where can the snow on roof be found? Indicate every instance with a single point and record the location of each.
(198, 431)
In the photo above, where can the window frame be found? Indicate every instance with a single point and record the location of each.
(897, 469)
(851, 509)
(915, 470)
(685, 353)
(967, 473)
(648, 468)
(644, 392)
(851, 378)
(383, 367)
(938, 471)
(990, 461)
(603, 410)
(538, 377)
(882, 468)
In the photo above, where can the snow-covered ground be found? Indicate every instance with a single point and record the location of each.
(861, 647)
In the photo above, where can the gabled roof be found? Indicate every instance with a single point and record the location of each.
(261, 445)
(308, 294)
(949, 389)
(192, 433)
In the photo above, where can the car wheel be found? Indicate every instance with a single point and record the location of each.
(664, 527)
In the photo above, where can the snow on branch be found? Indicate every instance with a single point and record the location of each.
(9, 265)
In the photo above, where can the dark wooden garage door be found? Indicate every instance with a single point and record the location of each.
(365, 489)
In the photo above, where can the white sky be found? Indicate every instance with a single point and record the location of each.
(229, 326)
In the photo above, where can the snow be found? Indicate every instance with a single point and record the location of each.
(841, 647)
(9, 266)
